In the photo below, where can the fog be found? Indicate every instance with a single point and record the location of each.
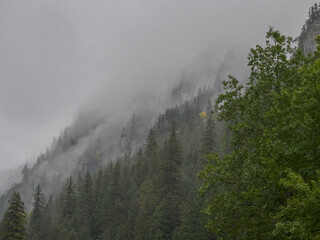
(60, 56)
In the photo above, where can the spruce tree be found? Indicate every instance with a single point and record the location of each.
(170, 164)
(36, 218)
(48, 223)
(151, 150)
(208, 143)
(69, 200)
(166, 216)
(85, 206)
(115, 206)
(13, 223)
(192, 220)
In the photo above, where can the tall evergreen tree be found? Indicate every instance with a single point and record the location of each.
(13, 223)
(170, 165)
(116, 209)
(166, 216)
(192, 220)
(150, 144)
(97, 213)
(85, 207)
(48, 224)
(150, 152)
(208, 143)
(36, 218)
(69, 199)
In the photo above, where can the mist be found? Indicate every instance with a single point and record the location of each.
(59, 58)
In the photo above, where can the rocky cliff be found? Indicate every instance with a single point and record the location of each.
(310, 30)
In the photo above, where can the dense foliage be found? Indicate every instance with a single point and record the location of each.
(13, 223)
(267, 187)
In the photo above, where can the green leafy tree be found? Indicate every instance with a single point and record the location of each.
(274, 125)
(300, 218)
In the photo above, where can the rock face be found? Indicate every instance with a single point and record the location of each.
(307, 38)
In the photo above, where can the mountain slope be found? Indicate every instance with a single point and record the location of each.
(99, 136)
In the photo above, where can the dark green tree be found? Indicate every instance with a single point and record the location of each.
(165, 218)
(37, 215)
(151, 152)
(275, 127)
(169, 172)
(208, 139)
(192, 220)
(13, 225)
(69, 199)
(85, 206)
(48, 224)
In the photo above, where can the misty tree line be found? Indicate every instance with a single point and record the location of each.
(149, 195)
(257, 151)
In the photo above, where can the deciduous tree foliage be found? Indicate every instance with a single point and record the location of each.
(254, 191)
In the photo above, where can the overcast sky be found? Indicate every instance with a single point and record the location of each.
(56, 55)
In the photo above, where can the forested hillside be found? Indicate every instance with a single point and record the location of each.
(104, 132)
(244, 165)
(149, 195)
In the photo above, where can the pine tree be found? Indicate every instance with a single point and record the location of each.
(150, 153)
(85, 206)
(13, 222)
(47, 223)
(69, 199)
(208, 143)
(115, 204)
(166, 218)
(209, 109)
(192, 221)
(36, 218)
(170, 164)
(97, 213)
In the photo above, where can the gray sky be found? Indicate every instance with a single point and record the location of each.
(56, 55)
